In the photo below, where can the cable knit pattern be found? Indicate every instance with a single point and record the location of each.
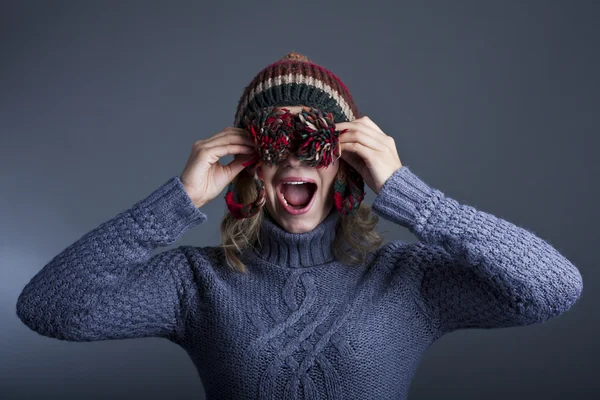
(300, 324)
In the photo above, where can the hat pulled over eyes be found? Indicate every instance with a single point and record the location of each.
(310, 134)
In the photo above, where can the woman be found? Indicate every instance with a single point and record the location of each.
(300, 300)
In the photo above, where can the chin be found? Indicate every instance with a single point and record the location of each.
(300, 223)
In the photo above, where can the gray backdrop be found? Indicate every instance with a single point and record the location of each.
(494, 103)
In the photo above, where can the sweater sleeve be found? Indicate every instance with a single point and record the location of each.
(475, 270)
(106, 285)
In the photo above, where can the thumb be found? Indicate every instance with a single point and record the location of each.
(240, 161)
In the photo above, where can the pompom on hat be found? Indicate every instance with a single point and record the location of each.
(292, 81)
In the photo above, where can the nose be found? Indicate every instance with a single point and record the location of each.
(292, 160)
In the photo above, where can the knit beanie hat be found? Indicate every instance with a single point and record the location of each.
(293, 81)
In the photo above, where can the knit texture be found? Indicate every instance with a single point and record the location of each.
(312, 137)
(300, 324)
(295, 80)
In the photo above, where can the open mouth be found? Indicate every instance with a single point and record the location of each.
(297, 197)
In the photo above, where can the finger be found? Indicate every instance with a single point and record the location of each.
(342, 125)
(217, 152)
(231, 138)
(363, 128)
(369, 122)
(237, 165)
(368, 126)
(358, 149)
(373, 132)
(364, 137)
(227, 132)
(231, 132)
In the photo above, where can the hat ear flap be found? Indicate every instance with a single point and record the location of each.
(240, 188)
(246, 193)
(349, 189)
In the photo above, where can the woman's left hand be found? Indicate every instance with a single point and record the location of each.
(369, 151)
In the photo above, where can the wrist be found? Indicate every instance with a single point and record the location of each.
(196, 201)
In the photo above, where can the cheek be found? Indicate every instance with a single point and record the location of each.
(268, 172)
(333, 170)
(328, 176)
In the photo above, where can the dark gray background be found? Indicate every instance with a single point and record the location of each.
(494, 103)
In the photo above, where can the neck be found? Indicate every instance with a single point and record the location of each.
(298, 250)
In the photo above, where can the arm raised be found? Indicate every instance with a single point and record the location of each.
(473, 269)
(106, 285)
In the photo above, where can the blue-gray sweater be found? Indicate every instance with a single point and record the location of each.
(299, 324)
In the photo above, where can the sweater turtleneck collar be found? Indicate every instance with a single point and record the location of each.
(298, 250)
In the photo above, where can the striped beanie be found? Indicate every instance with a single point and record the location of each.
(293, 81)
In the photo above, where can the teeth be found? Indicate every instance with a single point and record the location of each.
(285, 201)
(291, 183)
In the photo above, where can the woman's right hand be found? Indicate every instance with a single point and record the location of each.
(203, 176)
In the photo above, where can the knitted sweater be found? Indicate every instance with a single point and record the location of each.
(300, 324)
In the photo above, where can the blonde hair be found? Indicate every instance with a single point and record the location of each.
(357, 230)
